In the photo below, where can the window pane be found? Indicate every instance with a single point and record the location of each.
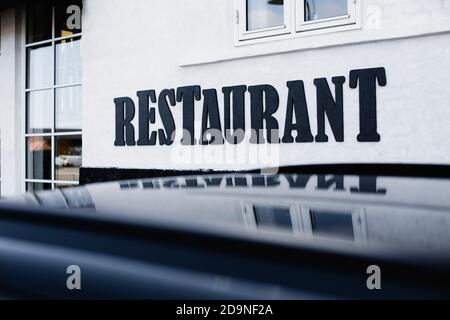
(39, 158)
(68, 61)
(68, 109)
(39, 111)
(273, 217)
(67, 18)
(33, 187)
(39, 21)
(68, 158)
(322, 9)
(39, 66)
(65, 186)
(264, 14)
(332, 224)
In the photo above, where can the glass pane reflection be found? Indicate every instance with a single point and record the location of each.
(68, 61)
(273, 217)
(39, 111)
(39, 158)
(332, 224)
(68, 109)
(39, 67)
(65, 186)
(68, 158)
(39, 21)
(263, 14)
(33, 187)
(323, 9)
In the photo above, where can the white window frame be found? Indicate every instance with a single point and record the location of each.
(357, 213)
(295, 25)
(301, 218)
(244, 34)
(250, 220)
(302, 25)
(53, 135)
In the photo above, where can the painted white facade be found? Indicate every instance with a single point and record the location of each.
(140, 45)
(157, 45)
(11, 112)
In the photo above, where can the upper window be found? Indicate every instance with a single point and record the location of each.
(266, 18)
(263, 18)
(337, 225)
(268, 217)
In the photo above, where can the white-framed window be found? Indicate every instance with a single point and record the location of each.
(333, 222)
(258, 19)
(307, 220)
(263, 18)
(52, 121)
(319, 14)
(269, 217)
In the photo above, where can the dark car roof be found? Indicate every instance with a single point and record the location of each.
(396, 214)
(292, 233)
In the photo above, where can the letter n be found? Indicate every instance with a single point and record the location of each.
(330, 107)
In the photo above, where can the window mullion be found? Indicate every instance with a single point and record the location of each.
(300, 12)
(351, 6)
(288, 6)
(53, 99)
(293, 15)
(38, 43)
(53, 139)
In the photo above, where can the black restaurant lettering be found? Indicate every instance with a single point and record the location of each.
(265, 180)
(264, 113)
(326, 182)
(211, 115)
(320, 182)
(146, 116)
(298, 181)
(188, 95)
(332, 108)
(237, 135)
(125, 111)
(165, 97)
(368, 100)
(368, 184)
(296, 106)
(264, 103)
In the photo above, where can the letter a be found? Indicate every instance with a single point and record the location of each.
(374, 280)
(74, 20)
(74, 280)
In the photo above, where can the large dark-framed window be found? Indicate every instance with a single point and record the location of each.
(53, 131)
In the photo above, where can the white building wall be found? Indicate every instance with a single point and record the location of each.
(131, 46)
(11, 118)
